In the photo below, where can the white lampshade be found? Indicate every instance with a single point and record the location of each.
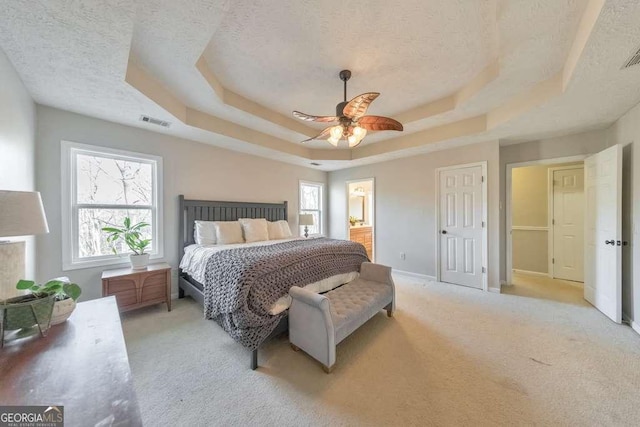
(21, 214)
(306, 219)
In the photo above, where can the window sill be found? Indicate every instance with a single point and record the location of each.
(121, 261)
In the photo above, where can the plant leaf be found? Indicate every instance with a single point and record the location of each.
(72, 290)
(54, 282)
(111, 230)
(23, 285)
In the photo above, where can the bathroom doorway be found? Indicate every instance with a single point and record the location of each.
(361, 213)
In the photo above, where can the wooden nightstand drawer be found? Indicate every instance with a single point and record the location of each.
(138, 288)
(151, 293)
(126, 298)
(117, 285)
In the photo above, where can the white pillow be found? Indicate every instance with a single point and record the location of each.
(279, 230)
(255, 229)
(228, 232)
(204, 233)
(286, 230)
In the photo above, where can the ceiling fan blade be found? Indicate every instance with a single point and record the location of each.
(310, 118)
(358, 106)
(379, 123)
(322, 135)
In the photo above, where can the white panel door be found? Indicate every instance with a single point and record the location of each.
(460, 226)
(603, 232)
(568, 224)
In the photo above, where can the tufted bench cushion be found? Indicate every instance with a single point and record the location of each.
(318, 322)
(355, 303)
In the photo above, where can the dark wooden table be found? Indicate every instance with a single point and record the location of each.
(81, 364)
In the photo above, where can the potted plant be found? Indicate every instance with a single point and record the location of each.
(66, 294)
(132, 236)
(353, 220)
(24, 312)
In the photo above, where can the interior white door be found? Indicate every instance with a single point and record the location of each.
(461, 226)
(568, 224)
(603, 232)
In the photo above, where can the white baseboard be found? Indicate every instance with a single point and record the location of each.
(414, 275)
(174, 295)
(634, 325)
(495, 290)
(530, 273)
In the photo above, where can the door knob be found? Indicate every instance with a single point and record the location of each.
(444, 231)
(610, 242)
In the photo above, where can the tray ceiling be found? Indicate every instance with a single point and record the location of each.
(230, 73)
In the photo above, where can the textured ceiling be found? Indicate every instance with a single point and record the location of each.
(229, 73)
(411, 51)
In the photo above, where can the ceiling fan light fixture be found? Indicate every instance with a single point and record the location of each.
(352, 117)
(357, 136)
(336, 132)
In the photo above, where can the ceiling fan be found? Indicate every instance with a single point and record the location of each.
(352, 122)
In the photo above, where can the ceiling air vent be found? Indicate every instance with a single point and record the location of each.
(153, 121)
(633, 60)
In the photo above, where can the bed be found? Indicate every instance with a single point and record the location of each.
(248, 283)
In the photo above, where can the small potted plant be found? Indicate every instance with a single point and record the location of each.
(353, 220)
(25, 312)
(132, 236)
(66, 294)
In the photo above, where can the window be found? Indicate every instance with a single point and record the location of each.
(101, 187)
(312, 202)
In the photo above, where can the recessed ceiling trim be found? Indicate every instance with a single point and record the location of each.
(515, 107)
(525, 101)
(466, 127)
(152, 89)
(585, 28)
(214, 124)
(241, 103)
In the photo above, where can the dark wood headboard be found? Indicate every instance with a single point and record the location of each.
(206, 210)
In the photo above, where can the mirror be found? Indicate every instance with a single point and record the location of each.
(356, 208)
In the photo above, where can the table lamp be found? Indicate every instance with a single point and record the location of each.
(21, 214)
(306, 220)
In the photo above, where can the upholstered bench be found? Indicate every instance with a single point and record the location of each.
(317, 323)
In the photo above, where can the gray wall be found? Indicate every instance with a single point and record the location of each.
(17, 141)
(626, 132)
(552, 148)
(405, 206)
(194, 169)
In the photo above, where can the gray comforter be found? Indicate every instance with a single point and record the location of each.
(242, 284)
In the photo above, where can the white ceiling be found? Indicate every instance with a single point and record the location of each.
(411, 52)
(286, 55)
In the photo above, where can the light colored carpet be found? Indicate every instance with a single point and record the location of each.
(450, 356)
(527, 285)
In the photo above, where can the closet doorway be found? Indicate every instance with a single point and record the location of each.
(361, 214)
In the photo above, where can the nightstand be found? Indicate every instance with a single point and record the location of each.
(138, 288)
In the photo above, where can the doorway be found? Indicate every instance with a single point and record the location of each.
(602, 241)
(545, 229)
(361, 214)
(461, 219)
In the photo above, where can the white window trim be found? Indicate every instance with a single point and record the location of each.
(68, 190)
(323, 209)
